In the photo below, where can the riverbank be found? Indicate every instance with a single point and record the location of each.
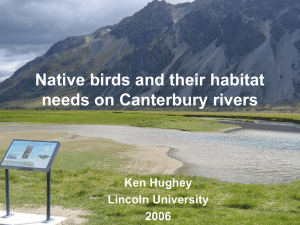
(235, 157)
(80, 152)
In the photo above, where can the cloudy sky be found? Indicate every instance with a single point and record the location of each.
(30, 27)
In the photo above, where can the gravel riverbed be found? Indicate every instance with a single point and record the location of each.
(244, 156)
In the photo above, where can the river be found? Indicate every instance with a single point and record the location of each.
(244, 156)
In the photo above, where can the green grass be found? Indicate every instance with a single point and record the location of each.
(79, 154)
(229, 203)
(188, 121)
(133, 118)
(137, 119)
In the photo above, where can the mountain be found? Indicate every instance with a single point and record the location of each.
(206, 36)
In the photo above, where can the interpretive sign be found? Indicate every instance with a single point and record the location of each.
(30, 155)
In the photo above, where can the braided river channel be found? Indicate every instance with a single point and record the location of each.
(261, 152)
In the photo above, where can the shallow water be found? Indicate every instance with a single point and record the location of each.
(245, 156)
(265, 125)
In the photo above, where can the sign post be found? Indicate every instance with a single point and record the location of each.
(48, 197)
(33, 156)
(8, 214)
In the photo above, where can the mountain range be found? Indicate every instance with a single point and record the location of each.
(252, 37)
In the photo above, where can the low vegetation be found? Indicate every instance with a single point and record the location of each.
(88, 189)
(189, 121)
(126, 118)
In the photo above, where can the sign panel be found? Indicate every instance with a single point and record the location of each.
(30, 155)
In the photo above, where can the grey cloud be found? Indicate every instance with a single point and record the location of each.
(41, 22)
(13, 57)
(29, 28)
(11, 51)
(4, 74)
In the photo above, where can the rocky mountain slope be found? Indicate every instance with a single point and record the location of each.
(206, 36)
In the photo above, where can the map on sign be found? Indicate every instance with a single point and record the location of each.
(30, 154)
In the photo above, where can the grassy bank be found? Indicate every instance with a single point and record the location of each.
(190, 121)
(138, 119)
(98, 153)
(88, 189)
